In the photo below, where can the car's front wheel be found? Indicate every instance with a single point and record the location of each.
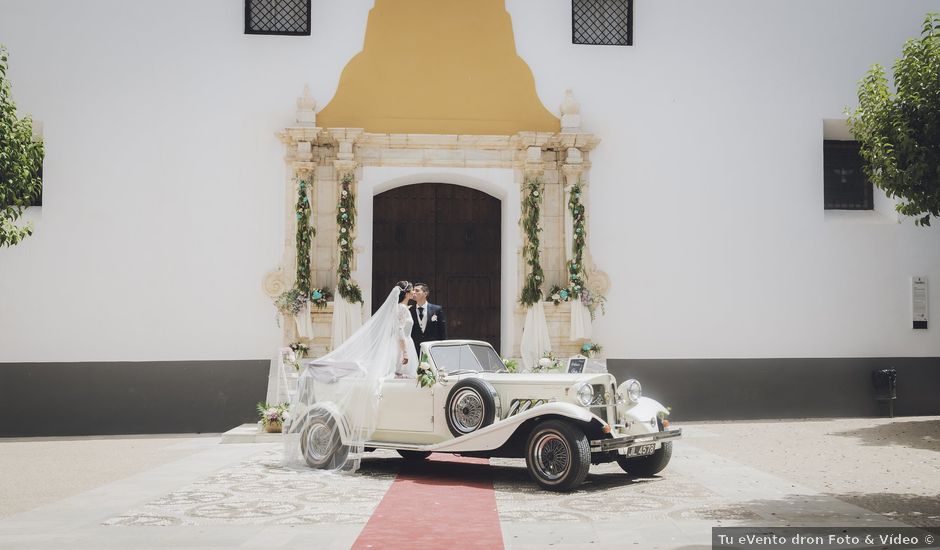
(558, 455)
(646, 466)
(320, 442)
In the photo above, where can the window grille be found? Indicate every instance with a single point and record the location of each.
(284, 17)
(845, 185)
(602, 22)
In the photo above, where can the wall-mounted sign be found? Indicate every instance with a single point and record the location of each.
(919, 301)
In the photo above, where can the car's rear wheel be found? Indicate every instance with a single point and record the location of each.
(558, 455)
(413, 455)
(646, 466)
(320, 442)
(471, 405)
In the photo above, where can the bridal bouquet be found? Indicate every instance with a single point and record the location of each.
(426, 376)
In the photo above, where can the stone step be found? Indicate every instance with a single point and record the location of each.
(249, 433)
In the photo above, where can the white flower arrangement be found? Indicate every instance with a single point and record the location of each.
(547, 362)
(273, 415)
(426, 375)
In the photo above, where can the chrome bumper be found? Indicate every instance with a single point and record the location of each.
(601, 445)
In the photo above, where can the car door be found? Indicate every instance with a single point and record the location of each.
(405, 407)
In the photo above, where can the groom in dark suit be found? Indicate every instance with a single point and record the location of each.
(428, 319)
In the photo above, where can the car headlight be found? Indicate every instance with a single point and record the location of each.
(586, 395)
(632, 390)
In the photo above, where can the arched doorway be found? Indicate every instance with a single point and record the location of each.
(447, 236)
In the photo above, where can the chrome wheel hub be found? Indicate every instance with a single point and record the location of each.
(467, 410)
(319, 442)
(552, 456)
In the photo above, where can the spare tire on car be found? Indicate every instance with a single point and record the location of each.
(471, 404)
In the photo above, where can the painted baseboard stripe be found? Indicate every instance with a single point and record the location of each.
(418, 512)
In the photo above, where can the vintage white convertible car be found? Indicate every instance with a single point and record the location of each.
(560, 423)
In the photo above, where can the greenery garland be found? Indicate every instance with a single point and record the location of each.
(305, 234)
(531, 206)
(346, 220)
(576, 276)
(576, 263)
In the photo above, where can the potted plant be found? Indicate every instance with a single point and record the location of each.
(273, 416)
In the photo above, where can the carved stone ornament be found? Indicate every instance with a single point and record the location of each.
(570, 113)
(306, 109)
(274, 283)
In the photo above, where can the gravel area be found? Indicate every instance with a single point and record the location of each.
(889, 466)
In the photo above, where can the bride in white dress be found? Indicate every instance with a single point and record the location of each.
(348, 381)
(408, 362)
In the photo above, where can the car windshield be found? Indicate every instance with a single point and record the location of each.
(466, 357)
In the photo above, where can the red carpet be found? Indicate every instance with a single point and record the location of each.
(443, 502)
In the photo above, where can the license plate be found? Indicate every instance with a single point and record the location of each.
(640, 450)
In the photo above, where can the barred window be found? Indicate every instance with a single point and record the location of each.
(845, 185)
(602, 22)
(285, 17)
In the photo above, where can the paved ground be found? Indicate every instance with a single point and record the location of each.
(192, 492)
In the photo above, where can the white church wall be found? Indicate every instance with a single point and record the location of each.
(163, 199)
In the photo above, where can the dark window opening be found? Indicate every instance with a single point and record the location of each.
(845, 185)
(283, 17)
(602, 22)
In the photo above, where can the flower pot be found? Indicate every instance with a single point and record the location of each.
(273, 427)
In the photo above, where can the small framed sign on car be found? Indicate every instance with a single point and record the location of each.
(576, 364)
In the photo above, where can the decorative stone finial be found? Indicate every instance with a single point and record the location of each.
(306, 108)
(570, 113)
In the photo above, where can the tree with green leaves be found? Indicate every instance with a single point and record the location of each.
(899, 133)
(20, 164)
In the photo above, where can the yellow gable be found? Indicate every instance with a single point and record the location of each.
(438, 67)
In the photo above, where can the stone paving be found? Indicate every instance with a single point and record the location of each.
(844, 472)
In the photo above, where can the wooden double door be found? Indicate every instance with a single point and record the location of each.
(449, 237)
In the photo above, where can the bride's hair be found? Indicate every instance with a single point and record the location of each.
(405, 286)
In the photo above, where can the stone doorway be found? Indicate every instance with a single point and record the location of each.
(448, 236)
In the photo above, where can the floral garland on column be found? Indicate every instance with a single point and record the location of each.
(576, 276)
(346, 221)
(531, 206)
(292, 301)
(304, 235)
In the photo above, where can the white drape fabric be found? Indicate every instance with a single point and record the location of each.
(580, 320)
(347, 318)
(345, 385)
(285, 385)
(303, 321)
(535, 340)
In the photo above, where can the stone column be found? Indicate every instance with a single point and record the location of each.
(571, 171)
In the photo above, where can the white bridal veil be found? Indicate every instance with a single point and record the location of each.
(335, 409)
